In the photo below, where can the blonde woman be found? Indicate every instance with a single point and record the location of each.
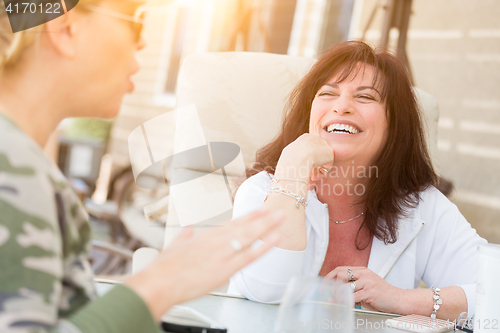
(79, 65)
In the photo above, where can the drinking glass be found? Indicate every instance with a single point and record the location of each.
(487, 318)
(314, 304)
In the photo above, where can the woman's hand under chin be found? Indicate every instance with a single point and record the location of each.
(308, 157)
(372, 292)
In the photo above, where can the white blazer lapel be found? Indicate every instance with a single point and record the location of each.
(383, 257)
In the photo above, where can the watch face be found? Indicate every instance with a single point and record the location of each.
(27, 14)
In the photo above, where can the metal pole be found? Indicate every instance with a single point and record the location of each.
(388, 22)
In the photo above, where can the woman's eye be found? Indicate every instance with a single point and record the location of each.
(367, 97)
(326, 93)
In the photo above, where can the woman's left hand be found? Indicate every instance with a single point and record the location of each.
(372, 292)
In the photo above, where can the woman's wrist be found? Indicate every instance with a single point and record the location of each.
(299, 185)
(145, 285)
(405, 303)
(416, 301)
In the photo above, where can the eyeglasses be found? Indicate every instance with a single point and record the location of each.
(137, 22)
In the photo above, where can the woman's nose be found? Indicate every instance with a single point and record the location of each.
(343, 105)
(342, 110)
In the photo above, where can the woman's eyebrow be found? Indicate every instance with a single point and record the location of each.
(367, 87)
(333, 85)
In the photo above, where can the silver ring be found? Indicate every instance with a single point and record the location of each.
(350, 277)
(353, 286)
(325, 170)
(236, 245)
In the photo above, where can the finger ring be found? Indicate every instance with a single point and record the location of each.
(353, 286)
(350, 277)
(236, 245)
(325, 170)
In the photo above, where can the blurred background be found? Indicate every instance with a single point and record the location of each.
(451, 46)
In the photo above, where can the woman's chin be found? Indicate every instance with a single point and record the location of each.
(106, 112)
(343, 155)
(111, 113)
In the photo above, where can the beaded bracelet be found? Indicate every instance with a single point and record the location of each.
(275, 180)
(437, 301)
(287, 192)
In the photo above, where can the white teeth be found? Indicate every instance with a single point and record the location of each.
(342, 128)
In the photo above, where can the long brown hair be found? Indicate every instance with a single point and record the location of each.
(405, 168)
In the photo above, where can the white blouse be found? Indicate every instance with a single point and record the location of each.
(435, 244)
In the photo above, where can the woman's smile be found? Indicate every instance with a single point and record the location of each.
(342, 127)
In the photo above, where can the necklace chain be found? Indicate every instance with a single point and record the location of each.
(340, 222)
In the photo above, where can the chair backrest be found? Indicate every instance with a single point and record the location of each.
(240, 97)
(430, 113)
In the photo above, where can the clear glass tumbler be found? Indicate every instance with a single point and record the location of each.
(314, 304)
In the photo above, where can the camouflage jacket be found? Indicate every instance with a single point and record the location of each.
(45, 278)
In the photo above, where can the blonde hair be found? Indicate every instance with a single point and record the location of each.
(12, 45)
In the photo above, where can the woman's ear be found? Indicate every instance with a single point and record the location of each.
(62, 33)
